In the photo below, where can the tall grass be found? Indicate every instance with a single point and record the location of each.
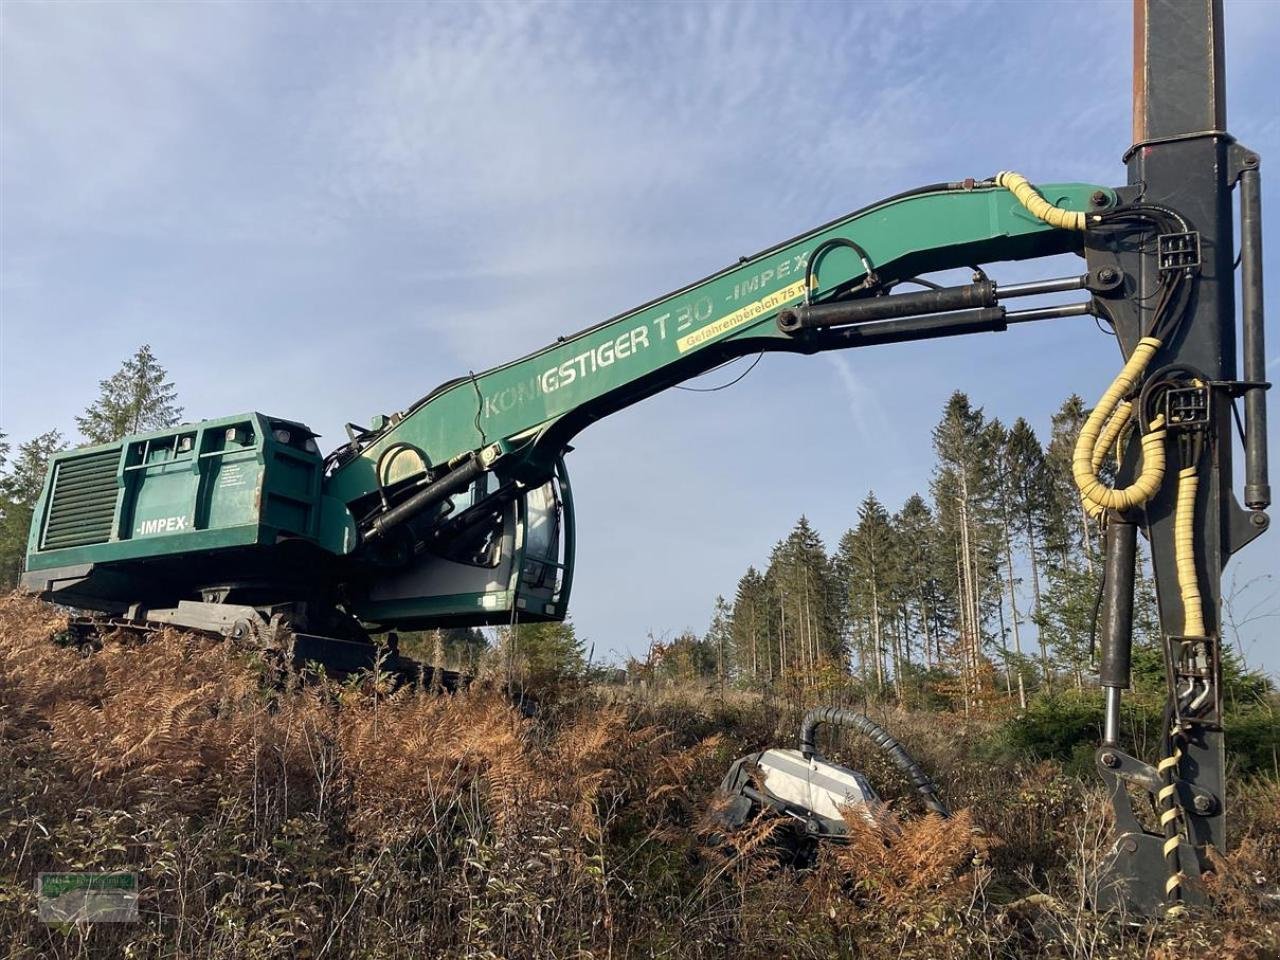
(346, 820)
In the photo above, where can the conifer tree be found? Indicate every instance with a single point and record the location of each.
(1032, 499)
(136, 398)
(1006, 496)
(542, 654)
(20, 488)
(916, 534)
(963, 494)
(867, 558)
(804, 593)
(749, 628)
(1067, 614)
(1074, 532)
(719, 639)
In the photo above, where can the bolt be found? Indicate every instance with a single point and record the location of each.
(1251, 160)
(1202, 804)
(1099, 198)
(1109, 759)
(1259, 519)
(1108, 275)
(1130, 845)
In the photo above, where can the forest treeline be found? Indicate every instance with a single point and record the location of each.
(988, 580)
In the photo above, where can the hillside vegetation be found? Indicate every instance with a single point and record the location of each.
(312, 819)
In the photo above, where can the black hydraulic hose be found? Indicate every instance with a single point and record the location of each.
(869, 279)
(864, 725)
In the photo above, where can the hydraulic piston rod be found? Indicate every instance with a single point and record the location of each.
(1257, 489)
(1117, 621)
(953, 324)
(982, 294)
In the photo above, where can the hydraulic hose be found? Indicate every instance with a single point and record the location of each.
(1090, 449)
(1111, 433)
(1184, 546)
(1038, 206)
(863, 724)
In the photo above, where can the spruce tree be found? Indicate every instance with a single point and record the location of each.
(20, 488)
(963, 492)
(749, 625)
(134, 399)
(543, 654)
(1073, 531)
(916, 534)
(868, 554)
(1033, 500)
(719, 639)
(1066, 613)
(804, 593)
(1006, 497)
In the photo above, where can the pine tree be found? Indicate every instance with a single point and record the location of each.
(20, 488)
(134, 399)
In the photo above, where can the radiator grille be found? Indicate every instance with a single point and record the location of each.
(83, 505)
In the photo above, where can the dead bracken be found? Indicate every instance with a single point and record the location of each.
(317, 818)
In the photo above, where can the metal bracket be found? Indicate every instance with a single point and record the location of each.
(1124, 879)
(1125, 876)
(1118, 768)
(1240, 159)
(1244, 526)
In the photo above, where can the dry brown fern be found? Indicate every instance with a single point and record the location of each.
(905, 864)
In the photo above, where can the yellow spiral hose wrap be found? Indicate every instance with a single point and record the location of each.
(1101, 429)
(1110, 433)
(1038, 206)
(1184, 552)
(1169, 816)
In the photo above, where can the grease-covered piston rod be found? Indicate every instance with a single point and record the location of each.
(982, 293)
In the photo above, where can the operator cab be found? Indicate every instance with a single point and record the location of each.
(497, 553)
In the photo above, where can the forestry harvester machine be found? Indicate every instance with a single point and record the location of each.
(457, 511)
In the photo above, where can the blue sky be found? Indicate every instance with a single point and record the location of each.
(323, 210)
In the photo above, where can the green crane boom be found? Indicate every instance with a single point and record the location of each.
(544, 398)
(457, 510)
